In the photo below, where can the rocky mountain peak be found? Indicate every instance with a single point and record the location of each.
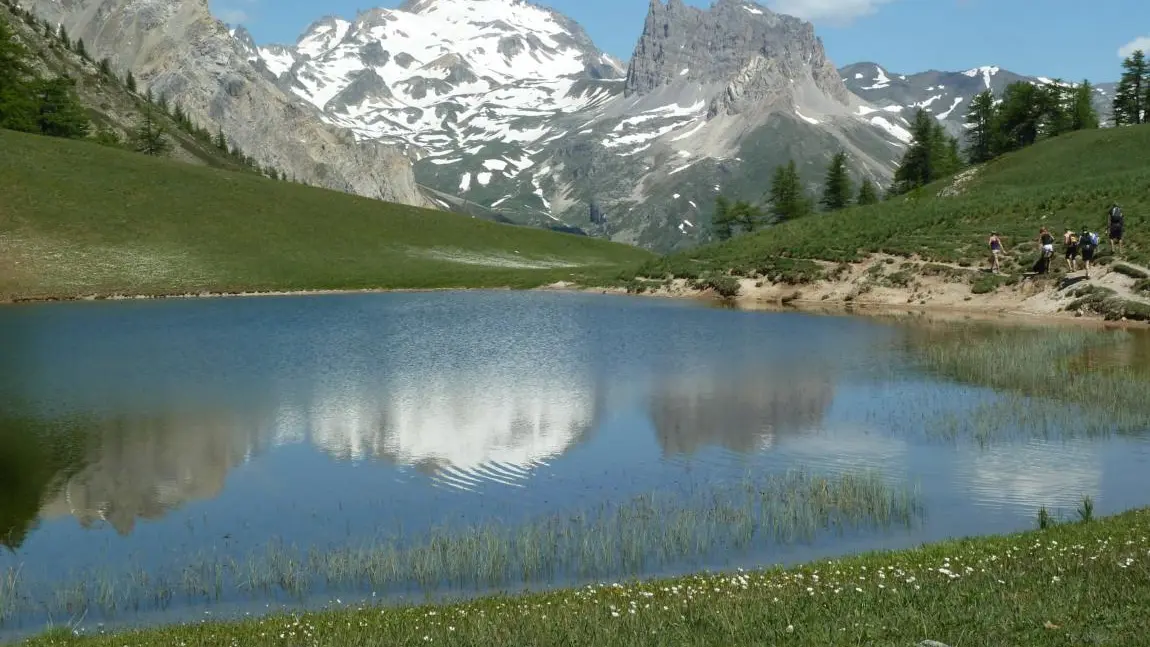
(732, 38)
(244, 37)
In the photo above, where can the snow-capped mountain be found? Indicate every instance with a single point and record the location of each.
(443, 75)
(946, 95)
(511, 106)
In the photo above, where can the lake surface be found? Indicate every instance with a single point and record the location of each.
(154, 455)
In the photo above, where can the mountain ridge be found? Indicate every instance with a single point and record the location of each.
(178, 50)
(511, 105)
(946, 94)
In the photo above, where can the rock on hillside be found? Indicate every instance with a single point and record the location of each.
(946, 95)
(176, 49)
(510, 105)
(111, 106)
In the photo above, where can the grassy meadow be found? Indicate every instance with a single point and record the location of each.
(1073, 583)
(1068, 181)
(129, 224)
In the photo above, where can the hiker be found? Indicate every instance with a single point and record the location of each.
(1116, 226)
(1088, 242)
(1070, 242)
(1046, 245)
(995, 252)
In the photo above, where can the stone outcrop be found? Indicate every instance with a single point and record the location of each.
(753, 47)
(178, 50)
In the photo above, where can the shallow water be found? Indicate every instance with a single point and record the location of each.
(138, 438)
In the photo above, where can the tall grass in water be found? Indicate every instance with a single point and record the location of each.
(644, 535)
(9, 587)
(1057, 365)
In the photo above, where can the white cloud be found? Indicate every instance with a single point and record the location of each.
(833, 11)
(1140, 43)
(233, 17)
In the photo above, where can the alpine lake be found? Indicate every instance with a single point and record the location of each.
(174, 460)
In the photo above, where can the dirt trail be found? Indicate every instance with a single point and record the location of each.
(884, 282)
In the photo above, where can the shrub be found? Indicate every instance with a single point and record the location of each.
(725, 286)
(1132, 272)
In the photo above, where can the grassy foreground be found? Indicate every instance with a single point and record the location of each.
(1068, 181)
(1070, 584)
(80, 219)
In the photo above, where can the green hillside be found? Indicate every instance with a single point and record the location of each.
(79, 219)
(1068, 181)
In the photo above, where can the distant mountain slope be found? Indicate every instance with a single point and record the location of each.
(178, 50)
(510, 105)
(110, 105)
(946, 95)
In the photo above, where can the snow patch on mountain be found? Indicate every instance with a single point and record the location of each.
(986, 71)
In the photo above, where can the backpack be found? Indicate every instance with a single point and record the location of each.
(1092, 239)
(1116, 216)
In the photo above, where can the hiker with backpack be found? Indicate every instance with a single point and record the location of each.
(1116, 226)
(1046, 247)
(1088, 243)
(1070, 242)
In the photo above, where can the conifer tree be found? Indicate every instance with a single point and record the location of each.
(1130, 97)
(64, 37)
(932, 154)
(150, 137)
(1021, 115)
(60, 113)
(746, 215)
(837, 187)
(17, 110)
(1055, 102)
(720, 219)
(788, 200)
(981, 124)
(221, 142)
(80, 49)
(1082, 115)
(868, 194)
(106, 67)
(130, 82)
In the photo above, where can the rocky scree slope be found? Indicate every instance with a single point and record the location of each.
(178, 50)
(946, 95)
(109, 104)
(510, 105)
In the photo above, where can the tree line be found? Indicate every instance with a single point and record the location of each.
(787, 199)
(51, 106)
(1022, 115)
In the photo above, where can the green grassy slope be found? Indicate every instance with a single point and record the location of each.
(78, 219)
(1064, 182)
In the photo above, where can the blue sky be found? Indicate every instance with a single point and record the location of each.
(1054, 38)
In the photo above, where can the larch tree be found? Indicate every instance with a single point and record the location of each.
(981, 127)
(721, 223)
(1130, 97)
(150, 137)
(837, 187)
(868, 193)
(788, 199)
